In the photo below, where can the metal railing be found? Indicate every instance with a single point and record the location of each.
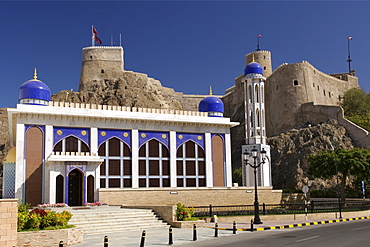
(310, 207)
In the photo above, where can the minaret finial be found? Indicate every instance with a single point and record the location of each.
(210, 90)
(253, 58)
(35, 74)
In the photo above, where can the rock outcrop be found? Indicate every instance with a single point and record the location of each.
(290, 150)
(132, 89)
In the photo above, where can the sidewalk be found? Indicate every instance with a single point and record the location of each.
(160, 237)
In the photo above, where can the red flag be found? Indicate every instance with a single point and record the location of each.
(259, 36)
(94, 31)
(97, 39)
(349, 37)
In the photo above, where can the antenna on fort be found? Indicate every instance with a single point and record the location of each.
(258, 42)
(120, 39)
(349, 56)
(111, 39)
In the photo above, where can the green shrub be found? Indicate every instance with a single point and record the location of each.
(39, 219)
(184, 213)
(22, 220)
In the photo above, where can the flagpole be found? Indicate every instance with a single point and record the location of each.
(92, 35)
(258, 42)
(349, 56)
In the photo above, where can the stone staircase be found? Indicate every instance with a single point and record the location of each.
(104, 219)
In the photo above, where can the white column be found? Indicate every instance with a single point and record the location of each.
(208, 157)
(49, 183)
(94, 140)
(173, 167)
(135, 158)
(20, 168)
(266, 173)
(228, 169)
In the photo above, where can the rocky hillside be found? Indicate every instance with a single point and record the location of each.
(133, 89)
(290, 150)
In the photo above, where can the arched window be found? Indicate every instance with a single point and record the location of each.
(250, 94)
(262, 94)
(154, 165)
(116, 169)
(251, 119)
(258, 118)
(71, 144)
(90, 188)
(59, 193)
(256, 94)
(191, 170)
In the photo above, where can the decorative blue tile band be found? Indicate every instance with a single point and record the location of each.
(81, 133)
(106, 134)
(181, 138)
(162, 137)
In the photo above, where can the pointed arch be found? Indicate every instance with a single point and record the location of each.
(256, 94)
(116, 169)
(59, 189)
(34, 165)
(190, 162)
(154, 164)
(71, 143)
(250, 94)
(75, 187)
(218, 161)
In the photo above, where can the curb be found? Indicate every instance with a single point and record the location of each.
(293, 225)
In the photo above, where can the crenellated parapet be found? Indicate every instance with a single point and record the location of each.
(127, 109)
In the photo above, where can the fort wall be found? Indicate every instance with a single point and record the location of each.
(292, 85)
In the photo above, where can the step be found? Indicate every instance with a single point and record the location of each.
(114, 219)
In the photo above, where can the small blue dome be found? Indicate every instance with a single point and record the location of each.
(34, 92)
(253, 68)
(213, 105)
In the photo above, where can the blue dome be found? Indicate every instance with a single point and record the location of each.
(34, 92)
(213, 105)
(253, 68)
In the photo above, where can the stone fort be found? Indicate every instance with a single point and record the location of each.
(287, 88)
(296, 94)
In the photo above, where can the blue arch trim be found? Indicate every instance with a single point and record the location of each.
(221, 135)
(106, 134)
(41, 127)
(81, 133)
(181, 138)
(145, 136)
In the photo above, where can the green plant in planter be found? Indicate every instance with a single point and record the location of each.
(184, 213)
(39, 219)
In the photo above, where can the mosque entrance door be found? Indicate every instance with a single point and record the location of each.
(75, 188)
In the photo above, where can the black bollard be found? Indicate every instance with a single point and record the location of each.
(216, 230)
(251, 225)
(194, 232)
(142, 242)
(106, 241)
(234, 228)
(61, 244)
(170, 239)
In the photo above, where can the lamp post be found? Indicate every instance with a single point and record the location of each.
(255, 165)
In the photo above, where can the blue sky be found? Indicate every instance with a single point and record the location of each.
(187, 45)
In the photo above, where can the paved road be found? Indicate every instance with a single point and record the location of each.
(350, 233)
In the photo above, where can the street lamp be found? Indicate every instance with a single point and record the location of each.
(255, 165)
